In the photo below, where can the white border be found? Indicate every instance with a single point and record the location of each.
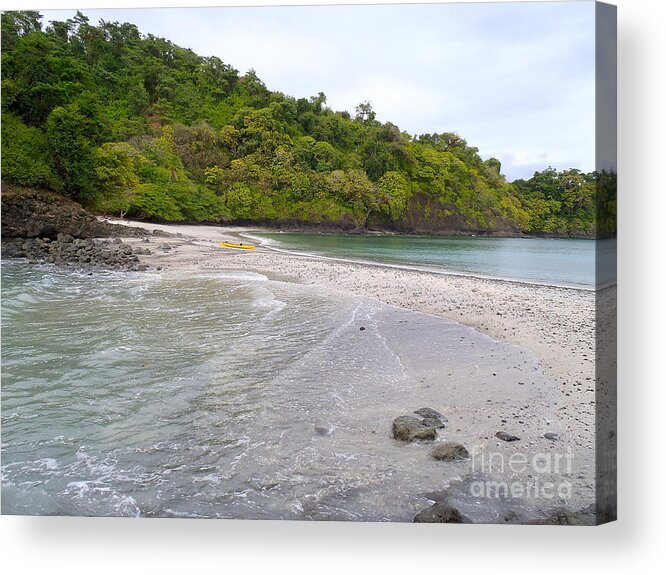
(79, 545)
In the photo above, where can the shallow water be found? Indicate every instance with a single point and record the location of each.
(566, 262)
(224, 395)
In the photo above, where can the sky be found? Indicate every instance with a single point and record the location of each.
(516, 80)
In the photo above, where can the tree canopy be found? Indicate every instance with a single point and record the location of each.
(129, 123)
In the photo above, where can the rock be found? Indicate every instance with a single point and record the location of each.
(408, 428)
(440, 513)
(504, 436)
(551, 436)
(430, 413)
(30, 213)
(46, 227)
(66, 249)
(432, 422)
(323, 429)
(450, 451)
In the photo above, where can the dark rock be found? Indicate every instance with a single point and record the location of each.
(504, 436)
(429, 412)
(68, 250)
(408, 428)
(551, 436)
(440, 513)
(31, 213)
(361, 328)
(449, 451)
(433, 422)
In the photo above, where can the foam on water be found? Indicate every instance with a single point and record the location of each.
(221, 395)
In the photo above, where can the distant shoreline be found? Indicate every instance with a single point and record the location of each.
(417, 268)
(301, 227)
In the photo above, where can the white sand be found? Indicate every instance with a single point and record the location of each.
(555, 324)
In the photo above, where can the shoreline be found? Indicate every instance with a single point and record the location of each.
(555, 324)
(535, 379)
(435, 272)
(526, 309)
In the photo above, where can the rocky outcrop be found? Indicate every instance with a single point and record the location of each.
(449, 451)
(67, 250)
(45, 227)
(408, 428)
(31, 213)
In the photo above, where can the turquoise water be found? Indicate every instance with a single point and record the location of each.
(566, 262)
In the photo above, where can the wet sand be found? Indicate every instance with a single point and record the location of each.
(555, 324)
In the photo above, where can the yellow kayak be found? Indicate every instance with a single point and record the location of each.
(237, 246)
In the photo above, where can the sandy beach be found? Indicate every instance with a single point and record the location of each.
(554, 324)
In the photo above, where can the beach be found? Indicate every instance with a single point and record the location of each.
(555, 325)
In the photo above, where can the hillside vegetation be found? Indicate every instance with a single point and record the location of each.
(131, 124)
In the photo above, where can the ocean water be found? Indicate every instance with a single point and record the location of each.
(224, 395)
(565, 262)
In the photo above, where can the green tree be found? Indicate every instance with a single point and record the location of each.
(66, 134)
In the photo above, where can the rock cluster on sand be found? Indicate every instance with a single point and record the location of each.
(66, 249)
(445, 512)
(46, 227)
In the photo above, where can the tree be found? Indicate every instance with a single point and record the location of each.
(115, 170)
(66, 134)
(364, 112)
(26, 156)
(394, 195)
(17, 24)
(122, 120)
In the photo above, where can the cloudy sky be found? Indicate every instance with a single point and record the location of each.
(515, 80)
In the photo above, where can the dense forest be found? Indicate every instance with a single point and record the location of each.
(131, 124)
